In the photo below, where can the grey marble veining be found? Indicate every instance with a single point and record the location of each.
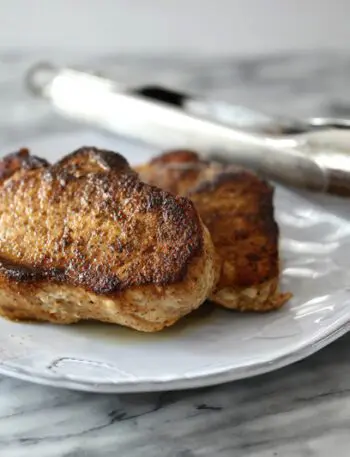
(302, 410)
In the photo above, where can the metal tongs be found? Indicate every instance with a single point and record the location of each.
(314, 154)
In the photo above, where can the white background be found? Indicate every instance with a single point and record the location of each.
(217, 27)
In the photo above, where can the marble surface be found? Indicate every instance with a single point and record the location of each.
(302, 410)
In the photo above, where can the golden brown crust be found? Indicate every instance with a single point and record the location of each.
(237, 208)
(85, 239)
(176, 156)
(17, 161)
(88, 221)
(175, 171)
(147, 308)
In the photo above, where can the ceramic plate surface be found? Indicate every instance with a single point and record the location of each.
(213, 345)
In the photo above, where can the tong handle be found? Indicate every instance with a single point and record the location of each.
(298, 159)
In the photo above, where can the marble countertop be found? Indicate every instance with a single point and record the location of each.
(302, 410)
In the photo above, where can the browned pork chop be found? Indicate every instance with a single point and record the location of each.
(237, 208)
(86, 239)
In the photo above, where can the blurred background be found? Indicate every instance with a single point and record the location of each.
(206, 27)
(289, 57)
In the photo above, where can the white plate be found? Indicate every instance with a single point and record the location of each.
(209, 347)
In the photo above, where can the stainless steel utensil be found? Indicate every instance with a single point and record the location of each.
(314, 154)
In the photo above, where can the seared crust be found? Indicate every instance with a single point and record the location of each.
(176, 171)
(238, 211)
(87, 223)
(18, 161)
(237, 208)
(83, 203)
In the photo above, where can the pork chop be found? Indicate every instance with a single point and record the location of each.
(86, 239)
(237, 208)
